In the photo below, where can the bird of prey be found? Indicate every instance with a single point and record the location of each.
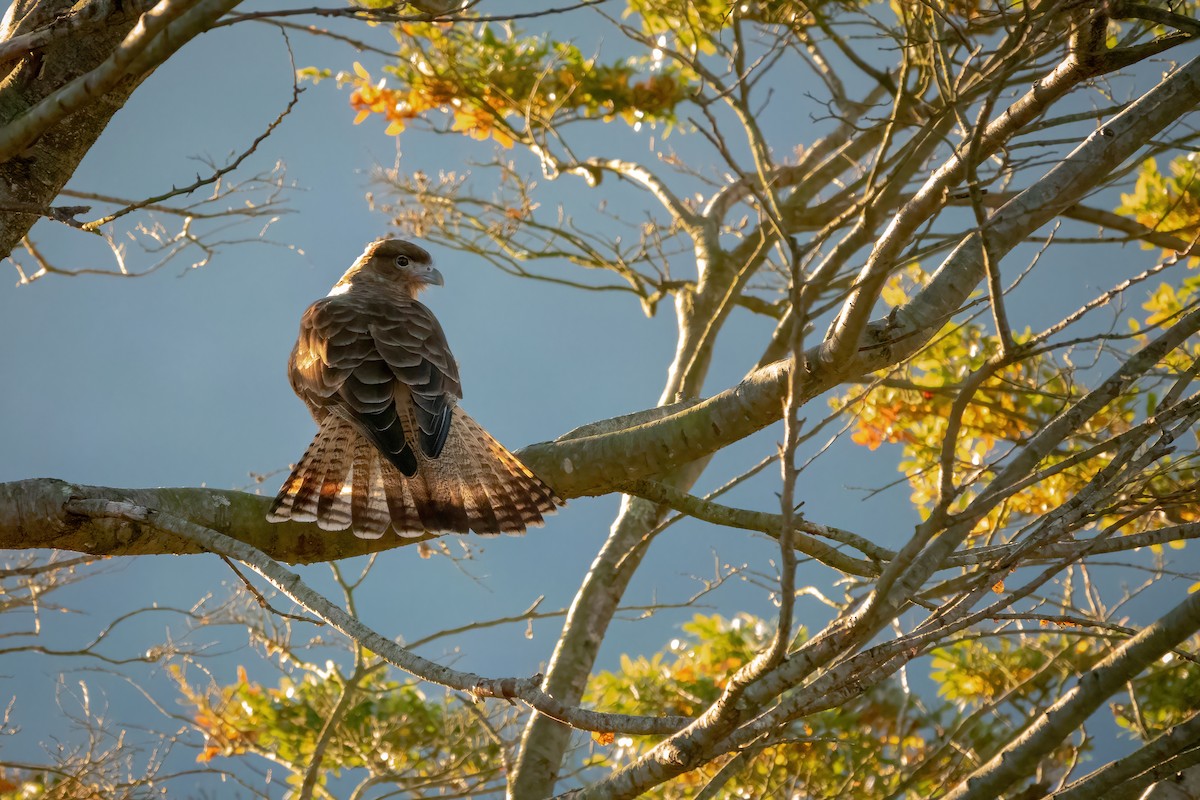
(394, 448)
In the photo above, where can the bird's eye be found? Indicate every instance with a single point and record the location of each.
(401, 261)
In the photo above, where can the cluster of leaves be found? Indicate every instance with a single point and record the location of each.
(695, 26)
(1167, 204)
(913, 408)
(972, 674)
(389, 727)
(861, 749)
(24, 785)
(868, 747)
(689, 676)
(68, 780)
(1161, 697)
(1031, 672)
(996, 686)
(1165, 304)
(1173, 485)
(496, 82)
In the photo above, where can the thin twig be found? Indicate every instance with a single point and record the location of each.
(524, 689)
(261, 599)
(216, 175)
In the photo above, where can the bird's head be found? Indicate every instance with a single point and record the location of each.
(396, 262)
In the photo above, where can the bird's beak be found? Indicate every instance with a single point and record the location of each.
(432, 277)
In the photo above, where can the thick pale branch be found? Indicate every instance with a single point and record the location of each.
(1177, 778)
(76, 23)
(32, 515)
(1181, 737)
(1063, 186)
(1023, 755)
(25, 129)
(1100, 218)
(596, 464)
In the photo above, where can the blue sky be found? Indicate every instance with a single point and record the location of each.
(178, 379)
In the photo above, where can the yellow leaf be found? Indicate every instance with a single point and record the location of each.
(893, 292)
(604, 737)
(998, 587)
(361, 71)
(503, 138)
(361, 116)
(1195, 587)
(395, 128)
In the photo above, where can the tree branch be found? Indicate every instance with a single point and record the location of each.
(75, 23)
(209, 179)
(1020, 758)
(32, 516)
(1148, 756)
(770, 524)
(26, 128)
(54, 106)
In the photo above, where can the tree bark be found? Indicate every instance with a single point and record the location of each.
(35, 176)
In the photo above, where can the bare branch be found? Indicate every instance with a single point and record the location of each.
(208, 180)
(524, 689)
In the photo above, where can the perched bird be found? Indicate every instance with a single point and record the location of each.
(393, 448)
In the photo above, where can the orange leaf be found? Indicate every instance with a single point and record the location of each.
(209, 754)
(868, 436)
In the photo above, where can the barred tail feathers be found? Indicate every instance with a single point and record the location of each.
(515, 498)
(310, 491)
(474, 484)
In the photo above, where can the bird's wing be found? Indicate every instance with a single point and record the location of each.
(412, 343)
(365, 358)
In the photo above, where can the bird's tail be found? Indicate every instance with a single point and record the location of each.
(474, 484)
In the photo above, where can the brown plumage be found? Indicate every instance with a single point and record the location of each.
(393, 448)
